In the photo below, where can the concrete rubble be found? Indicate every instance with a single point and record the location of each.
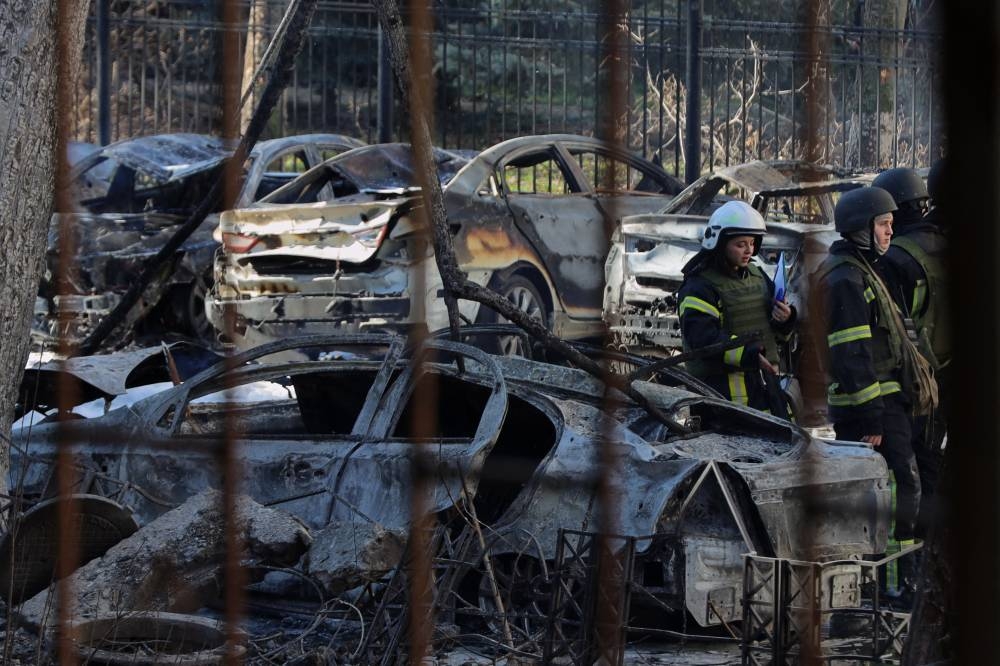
(174, 563)
(346, 555)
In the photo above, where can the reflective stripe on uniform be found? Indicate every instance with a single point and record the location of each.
(738, 388)
(867, 394)
(849, 335)
(734, 356)
(886, 388)
(695, 303)
(864, 395)
(869, 295)
(919, 297)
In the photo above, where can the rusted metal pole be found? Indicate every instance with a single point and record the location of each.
(611, 610)
(420, 623)
(229, 458)
(67, 515)
(816, 48)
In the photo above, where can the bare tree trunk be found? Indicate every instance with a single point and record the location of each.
(252, 54)
(28, 118)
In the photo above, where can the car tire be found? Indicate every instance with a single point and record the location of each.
(189, 311)
(522, 292)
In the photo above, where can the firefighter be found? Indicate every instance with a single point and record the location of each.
(725, 295)
(865, 394)
(916, 259)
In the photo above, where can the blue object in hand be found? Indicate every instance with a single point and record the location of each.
(779, 278)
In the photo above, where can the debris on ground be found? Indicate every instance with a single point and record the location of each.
(345, 555)
(175, 562)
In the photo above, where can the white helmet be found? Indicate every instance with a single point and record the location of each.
(733, 218)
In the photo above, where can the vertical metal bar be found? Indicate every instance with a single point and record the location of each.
(424, 424)
(579, 88)
(692, 77)
(795, 126)
(384, 90)
(711, 111)
(914, 135)
(231, 76)
(475, 142)
(324, 79)
(103, 72)
(459, 85)
(488, 82)
(503, 87)
(67, 517)
(612, 128)
(442, 95)
(729, 107)
(534, 77)
(661, 81)
(679, 39)
(644, 144)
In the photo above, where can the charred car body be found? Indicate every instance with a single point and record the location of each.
(133, 194)
(515, 437)
(338, 248)
(643, 271)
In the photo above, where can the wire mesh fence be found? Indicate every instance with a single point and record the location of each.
(504, 68)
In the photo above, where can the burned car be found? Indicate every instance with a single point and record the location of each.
(643, 271)
(702, 483)
(132, 196)
(339, 248)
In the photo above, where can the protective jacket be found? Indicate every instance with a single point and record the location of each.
(865, 357)
(717, 304)
(917, 257)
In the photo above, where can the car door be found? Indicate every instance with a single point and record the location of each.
(622, 184)
(552, 207)
(469, 409)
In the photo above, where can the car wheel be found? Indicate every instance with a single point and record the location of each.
(523, 293)
(189, 310)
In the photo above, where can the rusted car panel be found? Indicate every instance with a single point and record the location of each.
(518, 436)
(325, 251)
(133, 195)
(643, 271)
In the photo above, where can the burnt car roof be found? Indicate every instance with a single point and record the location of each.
(386, 166)
(172, 156)
(165, 156)
(765, 178)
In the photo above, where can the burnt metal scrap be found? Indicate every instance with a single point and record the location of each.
(339, 247)
(108, 376)
(515, 448)
(133, 195)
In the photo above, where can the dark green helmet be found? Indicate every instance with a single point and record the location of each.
(857, 208)
(903, 184)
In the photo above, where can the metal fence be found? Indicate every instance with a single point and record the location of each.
(507, 68)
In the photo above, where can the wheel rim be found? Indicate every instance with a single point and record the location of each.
(525, 300)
